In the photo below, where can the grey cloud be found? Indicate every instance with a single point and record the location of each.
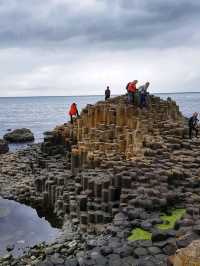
(120, 23)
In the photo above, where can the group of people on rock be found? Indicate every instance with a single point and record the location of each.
(132, 90)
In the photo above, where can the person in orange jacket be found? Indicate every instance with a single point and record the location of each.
(73, 111)
(131, 89)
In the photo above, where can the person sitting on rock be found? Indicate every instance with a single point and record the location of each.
(193, 124)
(107, 93)
(143, 94)
(73, 112)
(131, 89)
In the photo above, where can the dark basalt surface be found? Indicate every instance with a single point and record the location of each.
(19, 136)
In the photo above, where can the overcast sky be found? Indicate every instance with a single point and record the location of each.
(76, 47)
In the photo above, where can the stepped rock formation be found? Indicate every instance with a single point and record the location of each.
(135, 156)
(116, 168)
(115, 128)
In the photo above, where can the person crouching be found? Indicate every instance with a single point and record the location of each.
(143, 94)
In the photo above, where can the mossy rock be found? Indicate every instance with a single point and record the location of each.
(19, 135)
(170, 220)
(139, 234)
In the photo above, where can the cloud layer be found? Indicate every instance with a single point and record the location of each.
(73, 47)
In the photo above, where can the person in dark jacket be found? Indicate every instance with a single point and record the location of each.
(193, 124)
(143, 94)
(107, 93)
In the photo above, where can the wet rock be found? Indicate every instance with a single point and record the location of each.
(56, 259)
(71, 262)
(10, 247)
(114, 260)
(184, 241)
(91, 244)
(129, 261)
(135, 214)
(196, 229)
(140, 252)
(154, 250)
(124, 251)
(145, 262)
(106, 250)
(145, 243)
(46, 262)
(170, 249)
(146, 225)
(3, 146)
(49, 250)
(19, 135)
(159, 235)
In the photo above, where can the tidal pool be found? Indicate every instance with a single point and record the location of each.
(21, 227)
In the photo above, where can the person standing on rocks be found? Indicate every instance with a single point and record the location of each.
(143, 94)
(107, 93)
(131, 89)
(193, 124)
(73, 112)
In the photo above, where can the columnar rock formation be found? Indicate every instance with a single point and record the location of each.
(135, 155)
(115, 128)
(116, 168)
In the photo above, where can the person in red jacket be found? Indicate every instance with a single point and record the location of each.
(131, 89)
(73, 111)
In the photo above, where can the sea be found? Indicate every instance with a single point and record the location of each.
(41, 114)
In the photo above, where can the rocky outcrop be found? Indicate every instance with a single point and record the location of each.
(4, 148)
(19, 135)
(115, 169)
(115, 128)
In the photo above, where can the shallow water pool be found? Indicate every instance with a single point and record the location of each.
(21, 227)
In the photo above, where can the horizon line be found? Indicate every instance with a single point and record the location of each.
(93, 95)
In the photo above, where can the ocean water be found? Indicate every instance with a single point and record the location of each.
(43, 113)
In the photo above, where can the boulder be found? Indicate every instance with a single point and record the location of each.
(3, 146)
(19, 135)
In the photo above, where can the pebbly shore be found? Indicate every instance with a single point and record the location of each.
(116, 169)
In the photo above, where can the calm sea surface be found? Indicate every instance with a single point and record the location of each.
(43, 113)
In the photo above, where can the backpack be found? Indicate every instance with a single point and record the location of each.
(127, 86)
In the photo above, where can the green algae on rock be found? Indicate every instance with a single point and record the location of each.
(139, 234)
(170, 220)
